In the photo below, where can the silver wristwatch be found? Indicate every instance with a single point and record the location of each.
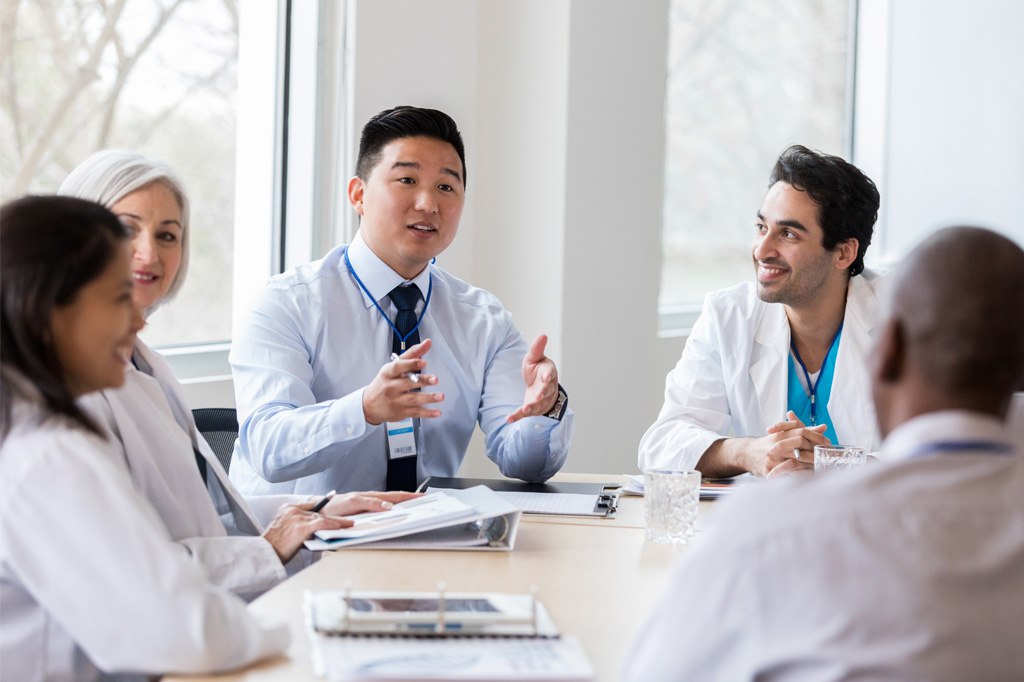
(562, 402)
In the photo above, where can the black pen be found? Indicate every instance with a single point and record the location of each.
(323, 502)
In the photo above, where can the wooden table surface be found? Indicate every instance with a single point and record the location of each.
(598, 578)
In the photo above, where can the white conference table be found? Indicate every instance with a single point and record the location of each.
(598, 578)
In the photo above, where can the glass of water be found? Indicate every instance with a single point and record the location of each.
(671, 499)
(834, 457)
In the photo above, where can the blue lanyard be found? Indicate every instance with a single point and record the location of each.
(991, 446)
(426, 302)
(812, 386)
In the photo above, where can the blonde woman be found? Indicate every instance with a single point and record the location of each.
(242, 543)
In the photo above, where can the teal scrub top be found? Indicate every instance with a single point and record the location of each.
(799, 397)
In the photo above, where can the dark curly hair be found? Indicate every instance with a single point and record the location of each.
(847, 199)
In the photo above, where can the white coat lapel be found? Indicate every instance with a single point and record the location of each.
(768, 370)
(849, 404)
(161, 371)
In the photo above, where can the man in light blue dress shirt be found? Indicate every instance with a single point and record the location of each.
(317, 388)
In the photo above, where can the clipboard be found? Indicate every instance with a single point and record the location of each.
(599, 500)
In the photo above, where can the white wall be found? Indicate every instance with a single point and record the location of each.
(945, 134)
(422, 54)
(519, 182)
(612, 265)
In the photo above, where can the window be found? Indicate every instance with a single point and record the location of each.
(156, 77)
(745, 80)
(182, 82)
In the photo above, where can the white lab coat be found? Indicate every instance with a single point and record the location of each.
(153, 429)
(90, 580)
(733, 376)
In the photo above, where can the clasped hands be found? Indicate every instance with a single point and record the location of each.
(788, 447)
(393, 395)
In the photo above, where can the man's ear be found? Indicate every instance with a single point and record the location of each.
(846, 253)
(356, 188)
(891, 353)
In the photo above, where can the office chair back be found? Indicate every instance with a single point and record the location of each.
(219, 426)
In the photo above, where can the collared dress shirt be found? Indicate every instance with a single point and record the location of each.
(314, 340)
(91, 583)
(910, 569)
(732, 378)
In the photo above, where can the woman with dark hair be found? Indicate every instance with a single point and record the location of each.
(90, 582)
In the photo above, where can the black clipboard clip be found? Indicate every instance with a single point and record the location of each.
(607, 501)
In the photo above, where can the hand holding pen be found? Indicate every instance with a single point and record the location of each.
(293, 524)
(395, 393)
(318, 507)
(414, 377)
(357, 503)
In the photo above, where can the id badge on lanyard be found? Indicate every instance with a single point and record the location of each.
(402, 438)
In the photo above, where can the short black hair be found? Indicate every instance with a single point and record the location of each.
(51, 248)
(406, 121)
(847, 199)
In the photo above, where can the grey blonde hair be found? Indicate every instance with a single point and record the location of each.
(108, 176)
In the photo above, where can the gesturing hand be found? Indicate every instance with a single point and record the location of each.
(541, 377)
(393, 396)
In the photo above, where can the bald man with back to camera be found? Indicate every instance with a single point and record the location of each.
(909, 569)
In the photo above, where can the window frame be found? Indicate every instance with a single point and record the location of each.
(305, 128)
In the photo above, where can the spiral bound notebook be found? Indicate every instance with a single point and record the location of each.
(439, 636)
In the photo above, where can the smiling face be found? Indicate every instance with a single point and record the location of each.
(154, 215)
(94, 334)
(790, 261)
(411, 202)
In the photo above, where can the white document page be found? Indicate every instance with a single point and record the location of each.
(553, 503)
(571, 504)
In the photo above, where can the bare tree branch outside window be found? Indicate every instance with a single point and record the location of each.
(746, 79)
(156, 76)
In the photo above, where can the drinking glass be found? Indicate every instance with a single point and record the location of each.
(671, 499)
(835, 457)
